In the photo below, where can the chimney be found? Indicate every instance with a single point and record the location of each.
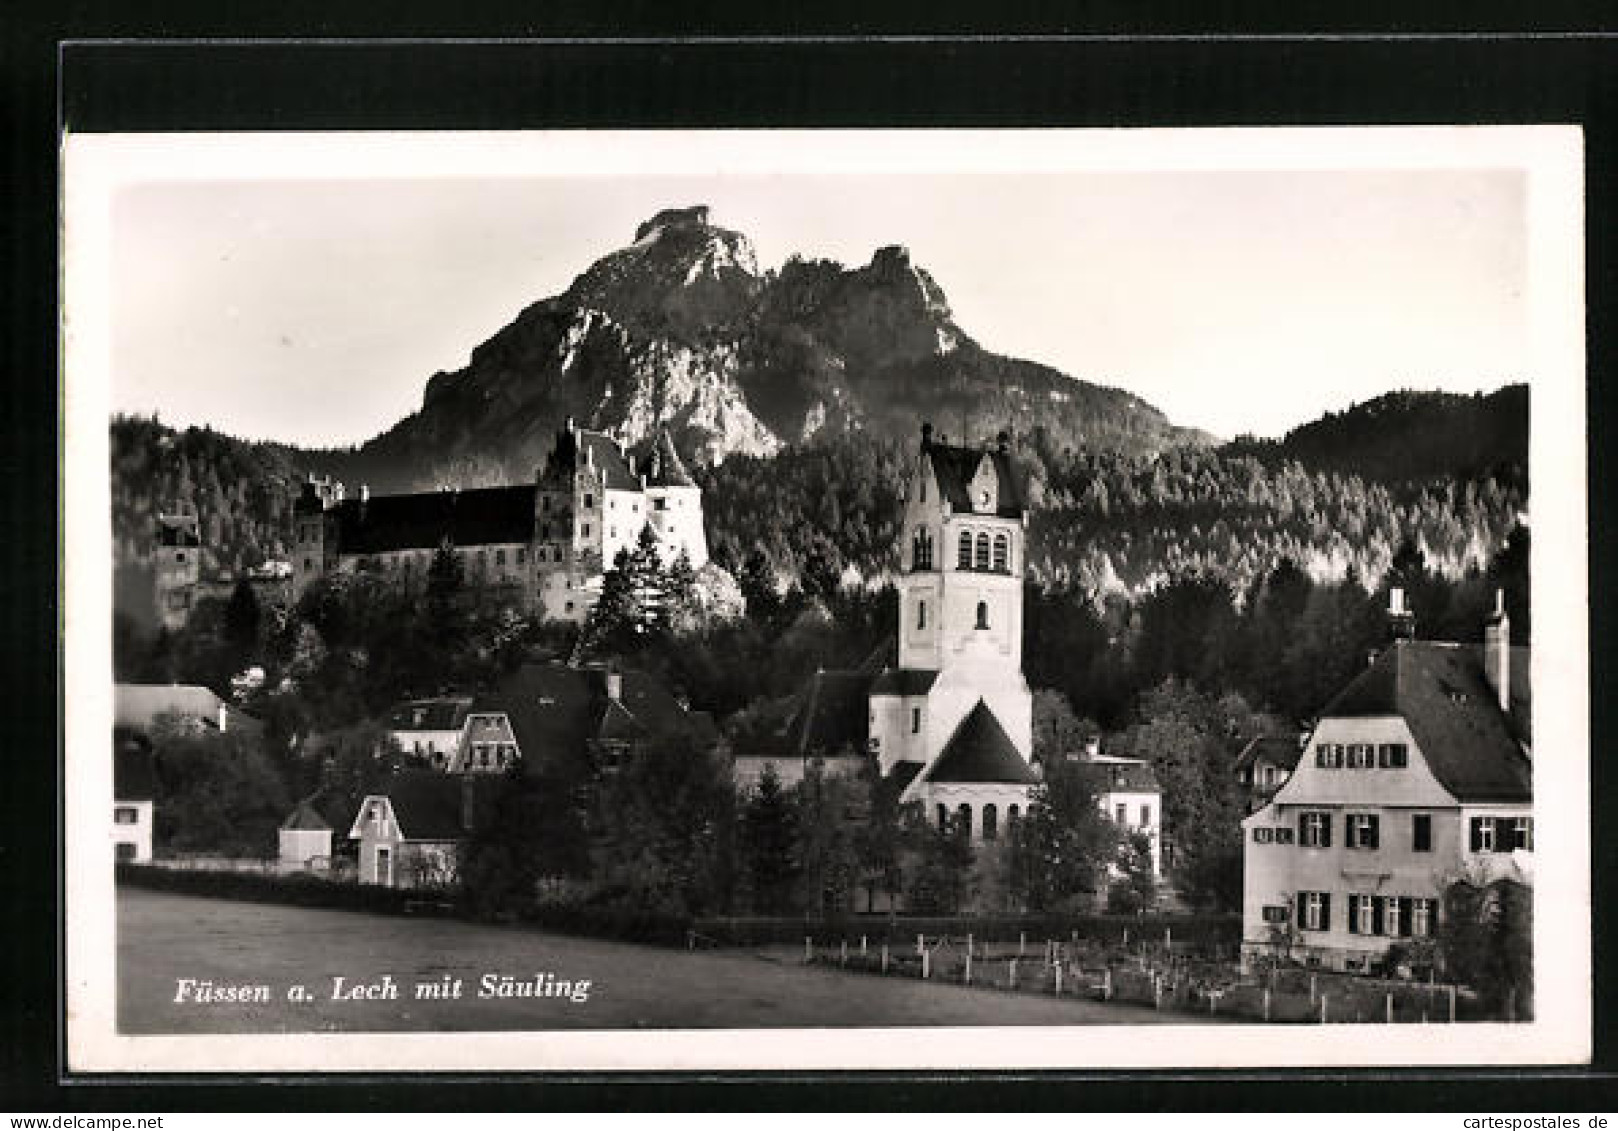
(1092, 747)
(468, 801)
(1497, 650)
(1400, 618)
(615, 686)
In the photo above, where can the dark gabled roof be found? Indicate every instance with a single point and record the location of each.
(436, 714)
(981, 751)
(1275, 749)
(1120, 776)
(954, 468)
(306, 817)
(479, 517)
(133, 775)
(604, 454)
(833, 714)
(556, 711)
(429, 805)
(904, 681)
(1471, 746)
(900, 777)
(664, 468)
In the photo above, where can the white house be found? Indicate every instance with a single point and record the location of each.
(305, 838)
(1417, 775)
(410, 831)
(430, 728)
(132, 801)
(1127, 791)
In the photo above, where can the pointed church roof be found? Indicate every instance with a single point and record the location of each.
(981, 751)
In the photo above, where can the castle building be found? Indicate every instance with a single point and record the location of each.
(547, 544)
(176, 568)
(1417, 775)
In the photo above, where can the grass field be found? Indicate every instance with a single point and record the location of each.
(164, 938)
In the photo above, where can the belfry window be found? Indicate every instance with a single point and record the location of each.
(921, 550)
(1002, 553)
(982, 561)
(983, 615)
(963, 558)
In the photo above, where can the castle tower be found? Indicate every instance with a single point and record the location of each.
(674, 504)
(176, 568)
(313, 536)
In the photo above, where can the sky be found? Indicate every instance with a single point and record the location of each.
(313, 310)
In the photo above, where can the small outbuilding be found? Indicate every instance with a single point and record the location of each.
(305, 837)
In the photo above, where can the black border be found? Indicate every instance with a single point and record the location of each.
(1057, 72)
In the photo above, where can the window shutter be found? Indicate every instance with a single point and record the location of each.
(1303, 824)
(1325, 911)
(1406, 913)
(1477, 833)
(1353, 914)
(1325, 830)
(1377, 918)
(1376, 822)
(1301, 903)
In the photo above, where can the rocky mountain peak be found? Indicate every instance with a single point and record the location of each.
(696, 216)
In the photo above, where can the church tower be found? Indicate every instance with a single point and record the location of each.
(954, 719)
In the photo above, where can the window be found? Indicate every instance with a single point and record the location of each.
(558, 553)
(1360, 830)
(125, 815)
(1421, 917)
(915, 720)
(1362, 915)
(123, 851)
(921, 614)
(1263, 835)
(544, 504)
(499, 557)
(1145, 816)
(612, 532)
(1012, 814)
(1323, 755)
(983, 615)
(522, 555)
(1002, 553)
(1421, 832)
(963, 555)
(1283, 836)
(1314, 910)
(586, 533)
(308, 563)
(922, 488)
(982, 559)
(991, 823)
(1275, 913)
(179, 555)
(1393, 755)
(1483, 834)
(660, 504)
(1522, 833)
(1314, 830)
(589, 502)
(1393, 922)
(964, 816)
(921, 547)
(1120, 814)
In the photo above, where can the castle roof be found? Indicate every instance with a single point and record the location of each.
(664, 468)
(478, 517)
(981, 751)
(580, 447)
(956, 467)
(1472, 747)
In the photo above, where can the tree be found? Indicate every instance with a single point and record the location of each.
(534, 832)
(938, 871)
(241, 623)
(215, 792)
(832, 811)
(766, 835)
(1134, 888)
(1486, 940)
(1063, 846)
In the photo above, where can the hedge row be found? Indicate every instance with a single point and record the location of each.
(300, 889)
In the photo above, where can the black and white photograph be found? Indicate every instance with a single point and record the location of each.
(846, 599)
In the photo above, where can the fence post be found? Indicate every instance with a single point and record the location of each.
(1011, 976)
(690, 939)
(1126, 938)
(968, 974)
(1157, 992)
(884, 958)
(1168, 939)
(862, 946)
(1022, 942)
(842, 953)
(1390, 1007)
(1106, 986)
(921, 944)
(808, 949)
(1266, 1004)
(1451, 1004)
(1058, 979)
(926, 963)
(1311, 989)
(969, 945)
(1322, 1009)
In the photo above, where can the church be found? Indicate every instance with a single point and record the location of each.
(953, 721)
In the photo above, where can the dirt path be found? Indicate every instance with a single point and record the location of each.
(164, 938)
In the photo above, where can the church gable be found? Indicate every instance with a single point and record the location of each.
(980, 751)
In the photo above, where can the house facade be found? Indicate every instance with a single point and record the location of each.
(133, 800)
(545, 545)
(411, 829)
(1128, 793)
(304, 838)
(1417, 775)
(430, 729)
